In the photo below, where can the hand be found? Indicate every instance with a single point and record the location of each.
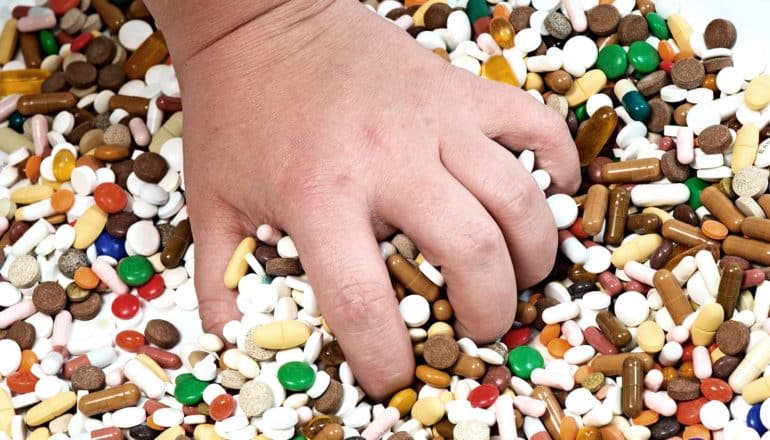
(338, 128)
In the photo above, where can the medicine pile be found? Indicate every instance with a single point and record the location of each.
(653, 323)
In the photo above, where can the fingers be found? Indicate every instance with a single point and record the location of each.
(344, 266)
(214, 245)
(513, 199)
(516, 120)
(453, 231)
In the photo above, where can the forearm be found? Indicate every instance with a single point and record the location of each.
(192, 25)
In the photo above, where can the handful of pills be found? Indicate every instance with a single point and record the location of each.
(653, 323)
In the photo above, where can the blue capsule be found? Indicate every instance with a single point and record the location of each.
(753, 420)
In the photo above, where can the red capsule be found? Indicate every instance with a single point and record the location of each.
(636, 286)
(596, 339)
(60, 7)
(190, 410)
(63, 38)
(752, 278)
(153, 288)
(165, 359)
(20, 12)
(687, 352)
(111, 433)
(129, 340)
(481, 25)
(222, 407)
(151, 405)
(610, 283)
(73, 364)
(667, 65)
(81, 42)
(517, 336)
(577, 229)
(169, 103)
(483, 396)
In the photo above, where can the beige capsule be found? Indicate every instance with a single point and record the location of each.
(281, 335)
(636, 249)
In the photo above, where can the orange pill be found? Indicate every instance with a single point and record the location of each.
(558, 347)
(549, 333)
(28, 359)
(714, 230)
(501, 10)
(86, 278)
(151, 423)
(62, 200)
(646, 418)
(666, 51)
(32, 168)
(687, 370)
(694, 432)
(582, 372)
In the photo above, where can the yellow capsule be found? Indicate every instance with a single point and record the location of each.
(585, 87)
(63, 164)
(153, 366)
(6, 412)
(89, 226)
(205, 431)
(281, 335)
(681, 31)
(533, 82)
(636, 249)
(746, 147)
(9, 38)
(41, 433)
(497, 68)
(31, 194)
(650, 337)
(23, 81)
(757, 94)
(706, 324)
(51, 408)
(403, 401)
(428, 411)
(237, 266)
(502, 32)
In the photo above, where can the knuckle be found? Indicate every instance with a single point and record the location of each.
(481, 239)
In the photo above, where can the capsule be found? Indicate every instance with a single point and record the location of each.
(617, 214)
(631, 398)
(612, 364)
(745, 148)
(633, 101)
(111, 399)
(110, 14)
(45, 103)
(9, 38)
(553, 413)
(632, 171)
(722, 208)
(177, 245)
(412, 278)
(109, 433)
(594, 133)
(685, 234)
(497, 68)
(594, 209)
(642, 223)
(134, 105)
(615, 330)
(755, 227)
(730, 288)
(673, 296)
(152, 51)
(30, 49)
(756, 360)
(753, 250)
(710, 317)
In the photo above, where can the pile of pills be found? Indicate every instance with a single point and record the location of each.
(653, 323)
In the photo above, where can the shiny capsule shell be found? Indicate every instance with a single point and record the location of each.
(281, 335)
(89, 226)
(497, 68)
(63, 164)
(636, 249)
(502, 32)
(51, 408)
(633, 387)
(594, 134)
(730, 288)
(617, 215)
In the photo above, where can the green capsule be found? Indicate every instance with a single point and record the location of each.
(695, 185)
(658, 26)
(636, 105)
(522, 360)
(135, 270)
(48, 42)
(612, 61)
(643, 57)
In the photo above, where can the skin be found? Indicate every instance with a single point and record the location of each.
(324, 120)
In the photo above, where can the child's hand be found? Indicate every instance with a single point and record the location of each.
(338, 128)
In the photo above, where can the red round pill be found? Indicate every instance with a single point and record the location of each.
(129, 340)
(125, 306)
(483, 396)
(110, 197)
(222, 407)
(153, 288)
(516, 337)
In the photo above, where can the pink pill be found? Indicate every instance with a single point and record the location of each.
(404, 22)
(685, 152)
(636, 286)
(752, 278)
(36, 22)
(16, 312)
(678, 334)
(576, 14)
(660, 402)
(381, 424)
(506, 420)
(114, 377)
(39, 126)
(139, 132)
(639, 272)
(488, 44)
(62, 326)
(529, 406)
(8, 106)
(610, 283)
(268, 235)
(653, 380)
(107, 274)
(701, 362)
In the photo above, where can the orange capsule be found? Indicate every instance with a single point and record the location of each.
(28, 359)
(549, 333)
(501, 10)
(665, 50)
(32, 168)
(558, 347)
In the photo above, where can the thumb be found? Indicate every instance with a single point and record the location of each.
(214, 247)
